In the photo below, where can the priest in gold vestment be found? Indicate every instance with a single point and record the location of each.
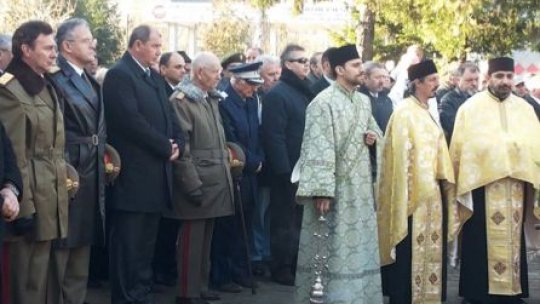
(495, 150)
(411, 214)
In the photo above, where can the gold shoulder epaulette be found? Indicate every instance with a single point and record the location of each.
(180, 95)
(54, 69)
(5, 78)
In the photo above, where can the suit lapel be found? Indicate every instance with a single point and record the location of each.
(85, 88)
(78, 82)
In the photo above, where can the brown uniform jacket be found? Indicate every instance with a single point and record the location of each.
(31, 113)
(204, 164)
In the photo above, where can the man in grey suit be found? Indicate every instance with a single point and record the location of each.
(85, 145)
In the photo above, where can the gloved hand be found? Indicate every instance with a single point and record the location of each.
(21, 225)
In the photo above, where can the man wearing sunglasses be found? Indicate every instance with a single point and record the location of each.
(283, 120)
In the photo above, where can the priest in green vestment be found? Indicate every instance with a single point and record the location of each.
(415, 164)
(335, 180)
(495, 150)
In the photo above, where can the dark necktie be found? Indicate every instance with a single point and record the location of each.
(93, 99)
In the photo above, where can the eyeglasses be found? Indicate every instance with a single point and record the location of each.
(90, 41)
(303, 60)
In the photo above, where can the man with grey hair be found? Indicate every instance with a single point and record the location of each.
(85, 145)
(467, 86)
(202, 180)
(5, 52)
(142, 127)
(315, 68)
(373, 87)
(270, 71)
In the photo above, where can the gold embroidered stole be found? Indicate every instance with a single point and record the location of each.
(415, 159)
(504, 219)
(496, 145)
(427, 251)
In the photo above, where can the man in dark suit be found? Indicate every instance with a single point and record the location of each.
(373, 87)
(327, 78)
(450, 103)
(171, 68)
(283, 120)
(85, 145)
(142, 127)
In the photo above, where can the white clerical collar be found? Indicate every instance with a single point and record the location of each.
(330, 81)
(376, 95)
(77, 69)
(142, 67)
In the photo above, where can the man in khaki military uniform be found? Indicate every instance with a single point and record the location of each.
(202, 181)
(31, 113)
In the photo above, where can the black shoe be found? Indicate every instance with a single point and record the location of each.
(230, 288)
(246, 282)
(190, 301)
(259, 269)
(210, 296)
(283, 278)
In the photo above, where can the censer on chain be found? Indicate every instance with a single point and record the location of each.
(320, 262)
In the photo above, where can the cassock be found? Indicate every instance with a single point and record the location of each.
(335, 163)
(495, 162)
(415, 163)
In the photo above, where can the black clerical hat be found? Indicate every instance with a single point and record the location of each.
(248, 72)
(422, 69)
(498, 64)
(340, 55)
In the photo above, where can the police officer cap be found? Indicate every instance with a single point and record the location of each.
(340, 55)
(248, 72)
(499, 64)
(236, 57)
(421, 70)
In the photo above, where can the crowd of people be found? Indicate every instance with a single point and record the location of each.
(207, 174)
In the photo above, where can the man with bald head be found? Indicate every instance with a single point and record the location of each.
(202, 181)
(148, 138)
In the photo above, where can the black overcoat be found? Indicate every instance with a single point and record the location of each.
(84, 124)
(140, 122)
(283, 120)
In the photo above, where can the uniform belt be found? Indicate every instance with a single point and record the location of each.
(75, 140)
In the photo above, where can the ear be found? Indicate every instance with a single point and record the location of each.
(288, 64)
(25, 48)
(339, 70)
(65, 46)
